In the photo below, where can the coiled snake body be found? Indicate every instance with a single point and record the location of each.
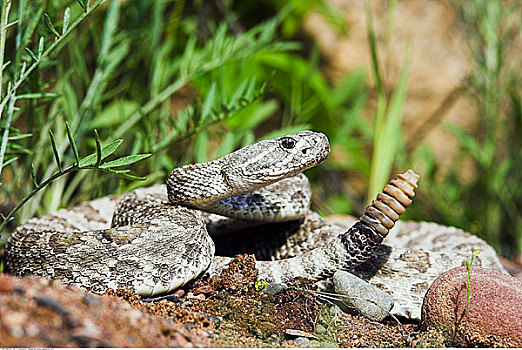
(156, 245)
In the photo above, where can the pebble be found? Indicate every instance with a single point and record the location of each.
(216, 319)
(179, 293)
(303, 342)
(299, 333)
(369, 300)
(320, 329)
(327, 345)
(203, 289)
(187, 303)
(276, 340)
(190, 295)
(274, 288)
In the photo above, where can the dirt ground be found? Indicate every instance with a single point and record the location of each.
(228, 311)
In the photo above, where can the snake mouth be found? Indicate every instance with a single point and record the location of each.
(319, 146)
(323, 141)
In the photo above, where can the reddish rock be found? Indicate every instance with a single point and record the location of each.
(495, 311)
(36, 312)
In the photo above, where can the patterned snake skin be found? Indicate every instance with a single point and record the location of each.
(156, 245)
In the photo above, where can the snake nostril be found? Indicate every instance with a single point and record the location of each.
(305, 151)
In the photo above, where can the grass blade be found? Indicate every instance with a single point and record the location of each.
(98, 148)
(33, 175)
(55, 150)
(73, 144)
(124, 174)
(40, 47)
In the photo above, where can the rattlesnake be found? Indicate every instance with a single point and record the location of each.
(156, 246)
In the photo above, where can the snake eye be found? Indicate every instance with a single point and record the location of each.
(288, 142)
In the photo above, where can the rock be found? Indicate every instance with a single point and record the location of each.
(299, 333)
(36, 312)
(180, 293)
(369, 300)
(327, 345)
(274, 288)
(495, 311)
(320, 329)
(303, 342)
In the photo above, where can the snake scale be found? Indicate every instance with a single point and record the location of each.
(158, 239)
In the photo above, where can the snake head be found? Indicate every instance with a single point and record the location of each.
(246, 169)
(272, 160)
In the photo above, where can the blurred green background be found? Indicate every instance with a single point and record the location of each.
(189, 81)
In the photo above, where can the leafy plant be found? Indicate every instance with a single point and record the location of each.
(135, 73)
(469, 293)
(96, 161)
(488, 202)
(186, 84)
(260, 284)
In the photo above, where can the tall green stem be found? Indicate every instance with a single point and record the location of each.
(4, 16)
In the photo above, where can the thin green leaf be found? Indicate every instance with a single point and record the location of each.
(80, 2)
(124, 174)
(33, 175)
(37, 95)
(33, 56)
(127, 160)
(55, 150)
(209, 101)
(16, 148)
(73, 144)
(5, 65)
(240, 91)
(19, 137)
(98, 148)
(11, 24)
(10, 160)
(40, 47)
(66, 19)
(106, 151)
(50, 25)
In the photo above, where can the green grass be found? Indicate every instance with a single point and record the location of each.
(469, 293)
(185, 84)
(489, 205)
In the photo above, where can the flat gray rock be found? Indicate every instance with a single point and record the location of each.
(356, 293)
